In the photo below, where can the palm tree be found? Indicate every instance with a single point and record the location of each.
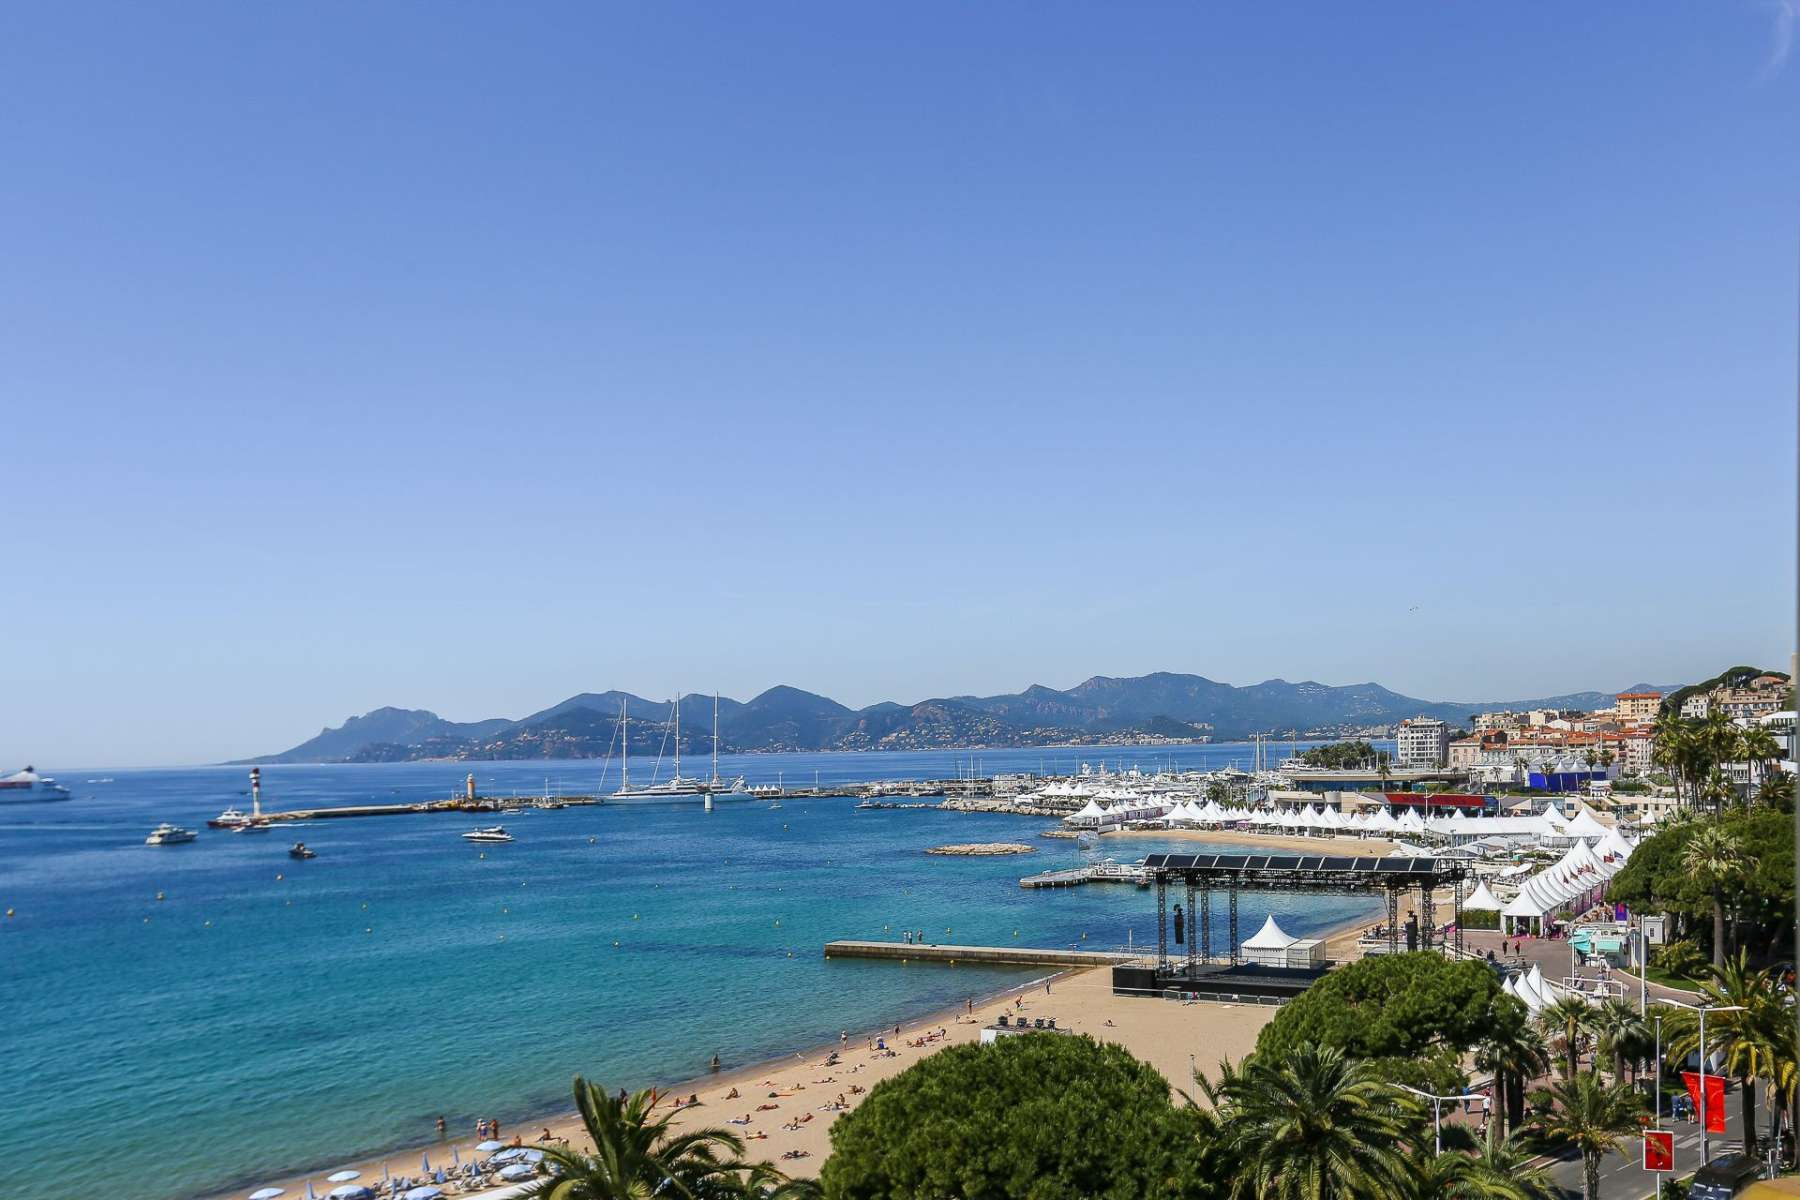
(1593, 1117)
(635, 1155)
(1312, 1125)
(1750, 1039)
(1499, 1172)
(1570, 1016)
(1673, 744)
(1756, 747)
(1715, 856)
(1515, 1052)
(1621, 1032)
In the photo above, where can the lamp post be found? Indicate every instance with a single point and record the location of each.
(1656, 1093)
(1437, 1124)
(1703, 1009)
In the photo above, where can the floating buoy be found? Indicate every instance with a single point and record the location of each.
(615, 945)
(778, 924)
(634, 916)
(504, 909)
(159, 895)
(484, 854)
(209, 924)
(790, 954)
(290, 904)
(279, 877)
(369, 929)
(591, 841)
(9, 913)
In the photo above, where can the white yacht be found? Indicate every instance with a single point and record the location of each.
(231, 818)
(27, 786)
(169, 835)
(677, 787)
(493, 833)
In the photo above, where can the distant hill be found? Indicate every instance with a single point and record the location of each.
(1164, 706)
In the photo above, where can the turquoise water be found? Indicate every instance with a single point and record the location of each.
(269, 1016)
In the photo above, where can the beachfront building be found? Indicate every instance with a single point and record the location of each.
(1696, 706)
(1422, 742)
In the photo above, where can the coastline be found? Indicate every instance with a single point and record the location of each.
(1163, 1034)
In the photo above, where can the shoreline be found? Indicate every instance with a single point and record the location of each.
(754, 1080)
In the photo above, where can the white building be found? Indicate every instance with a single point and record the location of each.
(1422, 742)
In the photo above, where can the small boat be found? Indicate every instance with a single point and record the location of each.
(493, 833)
(775, 806)
(301, 850)
(252, 827)
(231, 818)
(169, 835)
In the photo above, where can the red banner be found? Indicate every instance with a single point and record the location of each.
(1715, 1099)
(1659, 1150)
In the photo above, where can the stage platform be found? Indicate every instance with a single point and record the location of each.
(1247, 983)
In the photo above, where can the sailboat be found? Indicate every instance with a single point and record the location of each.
(673, 788)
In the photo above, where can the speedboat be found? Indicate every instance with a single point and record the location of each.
(301, 850)
(493, 833)
(169, 835)
(231, 818)
(252, 827)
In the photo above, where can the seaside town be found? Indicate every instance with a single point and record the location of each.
(696, 601)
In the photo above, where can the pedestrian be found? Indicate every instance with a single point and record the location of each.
(440, 1125)
(844, 1039)
(1046, 987)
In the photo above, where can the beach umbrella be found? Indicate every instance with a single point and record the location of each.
(268, 1193)
(515, 1172)
(455, 1158)
(425, 1163)
(509, 1155)
(309, 1191)
(342, 1176)
(350, 1191)
(424, 1193)
(534, 1156)
(441, 1175)
(489, 1147)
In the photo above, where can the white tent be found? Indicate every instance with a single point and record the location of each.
(1412, 822)
(1383, 822)
(1481, 900)
(1089, 814)
(1585, 826)
(1269, 945)
(1614, 846)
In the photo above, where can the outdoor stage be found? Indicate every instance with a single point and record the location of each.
(1195, 970)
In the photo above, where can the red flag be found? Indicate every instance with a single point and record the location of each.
(1715, 1099)
(1659, 1150)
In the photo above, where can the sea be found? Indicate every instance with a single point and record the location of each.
(198, 1019)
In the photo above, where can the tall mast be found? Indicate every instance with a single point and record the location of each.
(677, 735)
(715, 777)
(624, 748)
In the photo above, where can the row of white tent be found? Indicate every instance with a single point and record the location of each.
(1531, 988)
(1575, 881)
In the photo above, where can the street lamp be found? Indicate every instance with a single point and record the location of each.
(1703, 1009)
(1437, 1124)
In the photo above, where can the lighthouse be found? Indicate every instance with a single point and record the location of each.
(469, 786)
(256, 793)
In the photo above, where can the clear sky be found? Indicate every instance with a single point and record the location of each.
(465, 356)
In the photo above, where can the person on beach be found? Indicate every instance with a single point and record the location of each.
(546, 1135)
(440, 1125)
(715, 1060)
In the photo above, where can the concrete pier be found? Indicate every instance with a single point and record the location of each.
(1022, 956)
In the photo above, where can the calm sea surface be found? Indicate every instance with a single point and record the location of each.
(268, 1016)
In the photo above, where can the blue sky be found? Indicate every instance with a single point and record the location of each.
(467, 356)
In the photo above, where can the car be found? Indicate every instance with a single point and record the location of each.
(1725, 1177)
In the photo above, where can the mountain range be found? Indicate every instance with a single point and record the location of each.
(1163, 707)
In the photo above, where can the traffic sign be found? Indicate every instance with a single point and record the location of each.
(1659, 1150)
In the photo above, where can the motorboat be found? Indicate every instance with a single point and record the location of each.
(252, 827)
(169, 835)
(301, 850)
(493, 833)
(231, 818)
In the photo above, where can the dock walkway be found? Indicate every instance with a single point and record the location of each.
(1024, 956)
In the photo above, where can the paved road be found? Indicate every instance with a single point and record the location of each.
(1622, 1176)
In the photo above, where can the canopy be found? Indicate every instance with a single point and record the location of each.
(1585, 826)
(268, 1193)
(424, 1193)
(516, 1172)
(1270, 937)
(1481, 900)
(509, 1155)
(350, 1191)
(488, 1146)
(342, 1176)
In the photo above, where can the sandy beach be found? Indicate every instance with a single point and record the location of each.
(800, 1090)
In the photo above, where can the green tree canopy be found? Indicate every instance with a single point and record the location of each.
(1657, 879)
(1038, 1117)
(1408, 1006)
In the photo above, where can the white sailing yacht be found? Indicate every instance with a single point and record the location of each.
(674, 788)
